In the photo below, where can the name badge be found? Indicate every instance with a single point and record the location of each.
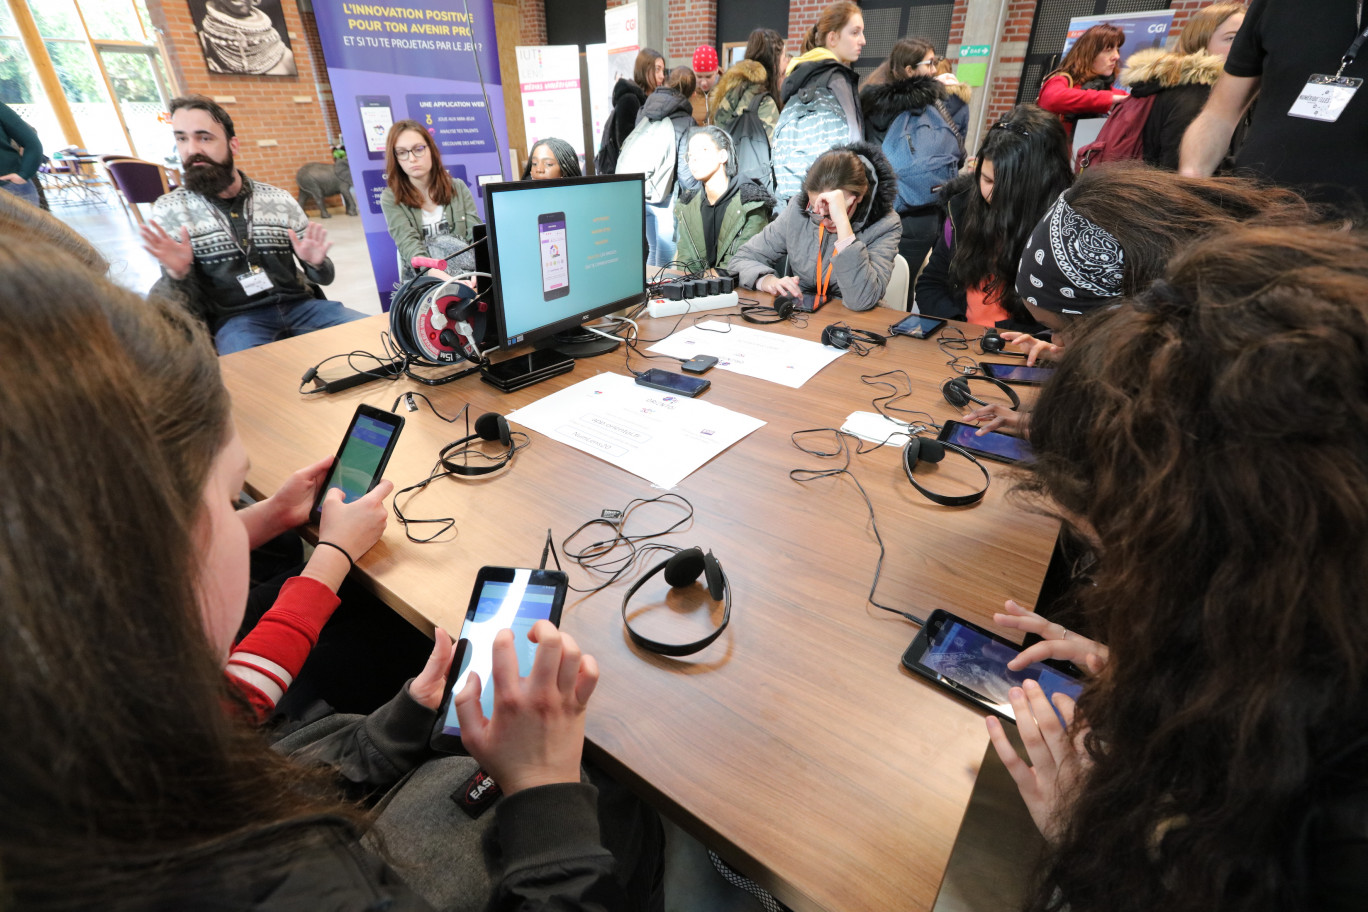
(1324, 98)
(255, 282)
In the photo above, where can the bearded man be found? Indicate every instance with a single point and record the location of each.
(231, 247)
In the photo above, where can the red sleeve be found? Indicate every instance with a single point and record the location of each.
(265, 662)
(1059, 97)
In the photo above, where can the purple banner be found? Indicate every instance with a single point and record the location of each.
(415, 60)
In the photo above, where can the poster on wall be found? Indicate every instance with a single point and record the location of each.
(428, 61)
(243, 37)
(549, 77)
(1142, 30)
(623, 41)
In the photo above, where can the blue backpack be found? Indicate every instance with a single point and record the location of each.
(926, 151)
(811, 123)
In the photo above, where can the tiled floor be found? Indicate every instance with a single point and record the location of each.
(997, 844)
(116, 236)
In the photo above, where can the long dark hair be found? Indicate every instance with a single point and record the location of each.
(766, 47)
(1214, 437)
(440, 188)
(643, 69)
(121, 766)
(1077, 64)
(1030, 157)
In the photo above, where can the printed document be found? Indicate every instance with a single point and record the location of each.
(656, 435)
(768, 355)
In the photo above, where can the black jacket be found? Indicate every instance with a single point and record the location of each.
(883, 103)
(1180, 85)
(628, 98)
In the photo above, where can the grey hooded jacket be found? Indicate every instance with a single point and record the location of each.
(860, 273)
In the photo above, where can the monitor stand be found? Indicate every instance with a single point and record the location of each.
(577, 343)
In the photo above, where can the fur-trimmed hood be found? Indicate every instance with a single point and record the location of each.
(884, 102)
(626, 86)
(748, 190)
(883, 190)
(1153, 70)
(740, 76)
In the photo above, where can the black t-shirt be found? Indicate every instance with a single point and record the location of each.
(1284, 42)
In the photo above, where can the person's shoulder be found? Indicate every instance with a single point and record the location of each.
(387, 198)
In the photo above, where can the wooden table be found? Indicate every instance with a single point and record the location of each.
(796, 745)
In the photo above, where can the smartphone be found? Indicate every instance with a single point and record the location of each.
(503, 598)
(916, 326)
(1016, 373)
(361, 460)
(376, 119)
(971, 662)
(555, 264)
(992, 445)
(672, 382)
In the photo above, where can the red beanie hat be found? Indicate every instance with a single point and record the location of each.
(705, 60)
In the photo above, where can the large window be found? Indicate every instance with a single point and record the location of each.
(104, 58)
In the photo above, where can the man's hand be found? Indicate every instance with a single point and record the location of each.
(313, 247)
(175, 256)
(1057, 761)
(13, 178)
(536, 734)
(787, 285)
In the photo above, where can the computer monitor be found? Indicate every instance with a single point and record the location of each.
(565, 252)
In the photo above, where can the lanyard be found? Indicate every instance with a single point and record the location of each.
(1354, 48)
(823, 282)
(247, 209)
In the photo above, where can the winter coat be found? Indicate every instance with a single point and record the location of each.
(733, 93)
(747, 213)
(819, 68)
(628, 97)
(883, 103)
(669, 103)
(860, 273)
(1180, 84)
(1060, 96)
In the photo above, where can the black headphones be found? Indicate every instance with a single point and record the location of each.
(438, 322)
(925, 449)
(781, 311)
(956, 391)
(682, 569)
(860, 341)
(489, 426)
(991, 342)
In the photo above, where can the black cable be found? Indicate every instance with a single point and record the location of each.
(597, 557)
(408, 398)
(386, 368)
(884, 404)
(802, 476)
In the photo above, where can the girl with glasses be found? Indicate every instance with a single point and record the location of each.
(428, 212)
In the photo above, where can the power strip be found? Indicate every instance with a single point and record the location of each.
(660, 307)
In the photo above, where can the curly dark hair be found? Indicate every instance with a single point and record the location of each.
(1213, 438)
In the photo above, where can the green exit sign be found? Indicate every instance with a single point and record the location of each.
(974, 50)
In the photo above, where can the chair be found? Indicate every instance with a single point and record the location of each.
(138, 182)
(895, 296)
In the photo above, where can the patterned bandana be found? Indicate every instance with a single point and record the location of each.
(1070, 265)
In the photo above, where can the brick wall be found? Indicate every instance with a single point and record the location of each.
(532, 23)
(692, 24)
(1016, 27)
(957, 24)
(280, 108)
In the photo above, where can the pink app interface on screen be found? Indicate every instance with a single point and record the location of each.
(554, 262)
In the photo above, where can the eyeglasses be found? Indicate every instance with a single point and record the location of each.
(417, 151)
(929, 63)
(1010, 127)
(817, 217)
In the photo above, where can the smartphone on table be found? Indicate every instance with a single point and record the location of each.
(971, 663)
(670, 382)
(503, 598)
(362, 457)
(992, 445)
(916, 326)
(1016, 373)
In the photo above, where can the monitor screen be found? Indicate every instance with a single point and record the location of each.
(564, 252)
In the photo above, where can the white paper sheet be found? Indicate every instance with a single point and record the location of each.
(767, 355)
(656, 435)
(877, 428)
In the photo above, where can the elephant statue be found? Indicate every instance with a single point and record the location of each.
(321, 181)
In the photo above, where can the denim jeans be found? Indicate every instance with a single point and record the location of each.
(25, 191)
(279, 321)
(660, 239)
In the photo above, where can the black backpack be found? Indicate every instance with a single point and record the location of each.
(752, 145)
